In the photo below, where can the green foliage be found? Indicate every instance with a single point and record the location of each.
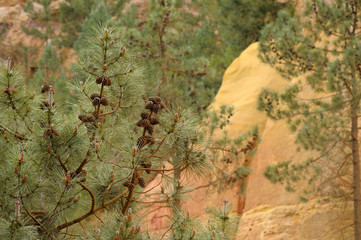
(60, 169)
(188, 45)
(44, 18)
(233, 25)
(164, 41)
(72, 14)
(100, 14)
(49, 65)
(221, 225)
(243, 171)
(320, 107)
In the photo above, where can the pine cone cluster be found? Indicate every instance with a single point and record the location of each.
(251, 144)
(103, 80)
(134, 181)
(154, 104)
(98, 100)
(149, 120)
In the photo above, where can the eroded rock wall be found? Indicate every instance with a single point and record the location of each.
(270, 211)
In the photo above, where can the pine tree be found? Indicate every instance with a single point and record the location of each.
(163, 36)
(60, 170)
(323, 45)
(72, 13)
(49, 63)
(193, 42)
(99, 14)
(229, 27)
(43, 16)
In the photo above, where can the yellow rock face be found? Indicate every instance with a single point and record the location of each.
(271, 212)
(242, 82)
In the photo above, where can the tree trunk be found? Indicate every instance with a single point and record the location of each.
(356, 173)
(176, 202)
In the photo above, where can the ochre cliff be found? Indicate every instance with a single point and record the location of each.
(271, 212)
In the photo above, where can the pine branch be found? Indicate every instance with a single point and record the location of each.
(91, 212)
(17, 135)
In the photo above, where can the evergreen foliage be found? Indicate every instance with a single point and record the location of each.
(44, 18)
(100, 155)
(49, 64)
(72, 14)
(163, 37)
(188, 45)
(229, 27)
(62, 170)
(99, 14)
(323, 46)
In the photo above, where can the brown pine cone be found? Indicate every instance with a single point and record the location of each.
(83, 117)
(150, 139)
(139, 123)
(144, 115)
(94, 95)
(96, 101)
(157, 100)
(142, 141)
(128, 185)
(146, 165)
(145, 123)
(156, 108)
(90, 119)
(99, 80)
(149, 105)
(150, 129)
(44, 88)
(154, 121)
(9, 91)
(54, 131)
(104, 101)
(47, 132)
(141, 182)
(107, 82)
